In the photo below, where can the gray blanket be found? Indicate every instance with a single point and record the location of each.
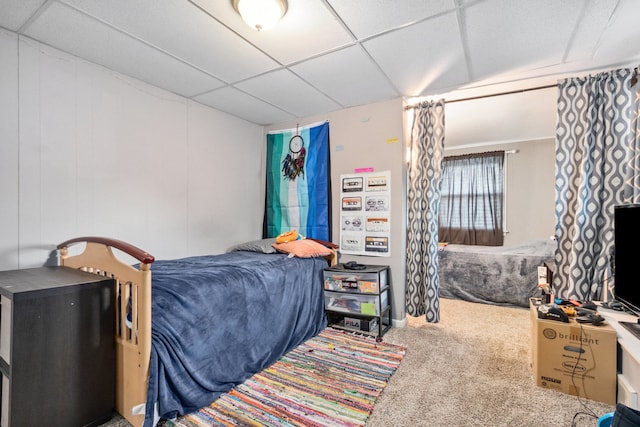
(493, 274)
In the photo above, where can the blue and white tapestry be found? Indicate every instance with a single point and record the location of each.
(298, 193)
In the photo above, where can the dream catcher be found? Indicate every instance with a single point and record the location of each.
(293, 164)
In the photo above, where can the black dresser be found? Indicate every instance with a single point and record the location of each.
(56, 348)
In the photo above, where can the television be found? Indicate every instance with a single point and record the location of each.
(626, 267)
(626, 263)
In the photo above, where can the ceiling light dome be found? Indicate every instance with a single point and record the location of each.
(261, 15)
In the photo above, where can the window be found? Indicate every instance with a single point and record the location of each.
(471, 203)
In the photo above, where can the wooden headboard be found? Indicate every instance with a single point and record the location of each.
(133, 300)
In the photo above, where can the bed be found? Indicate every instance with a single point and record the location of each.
(216, 319)
(499, 275)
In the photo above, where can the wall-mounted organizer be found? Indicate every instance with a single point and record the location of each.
(358, 300)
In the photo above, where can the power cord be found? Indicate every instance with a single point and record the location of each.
(587, 411)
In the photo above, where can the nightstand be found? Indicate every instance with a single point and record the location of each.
(358, 300)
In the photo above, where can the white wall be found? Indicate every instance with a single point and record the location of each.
(86, 151)
(513, 117)
(524, 122)
(370, 136)
(530, 191)
(9, 148)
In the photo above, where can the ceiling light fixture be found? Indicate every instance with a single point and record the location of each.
(261, 15)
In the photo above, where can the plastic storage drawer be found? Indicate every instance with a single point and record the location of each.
(354, 303)
(352, 281)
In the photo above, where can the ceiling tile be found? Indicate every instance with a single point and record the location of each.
(340, 75)
(368, 17)
(289, 92)
(183, 30)
(308, 29)
(328, 54)
(585, 40)
(71, 31)
(423, 58)
(237, 103)
(621, 38)
(14, 13)
(505, 35)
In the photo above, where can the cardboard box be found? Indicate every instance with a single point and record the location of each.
(367, 325)
(365, 286)
(574, 358)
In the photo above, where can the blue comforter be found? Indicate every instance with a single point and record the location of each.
(219, 319)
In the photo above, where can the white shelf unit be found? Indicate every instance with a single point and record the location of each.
(628, 356)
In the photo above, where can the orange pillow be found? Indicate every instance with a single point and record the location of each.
(304, 248)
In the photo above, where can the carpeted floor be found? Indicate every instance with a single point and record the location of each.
(471, 369)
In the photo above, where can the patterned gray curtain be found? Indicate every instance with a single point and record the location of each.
(632, 181)
(425, 173)
(593, 149)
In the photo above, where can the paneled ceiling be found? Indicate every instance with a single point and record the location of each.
(326, 55)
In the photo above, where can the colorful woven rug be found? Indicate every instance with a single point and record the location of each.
(333, 379)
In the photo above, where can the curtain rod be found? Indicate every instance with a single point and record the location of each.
(471, 98)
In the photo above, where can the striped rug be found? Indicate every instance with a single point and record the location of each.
(333, 379)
